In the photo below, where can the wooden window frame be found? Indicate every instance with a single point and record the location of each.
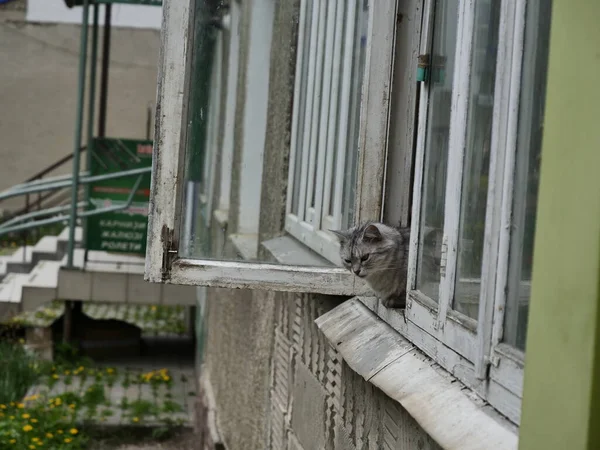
(490, 367)
(162, 261)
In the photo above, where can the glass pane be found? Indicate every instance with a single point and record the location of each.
(527, 169)
(476, 163)
(202, 109)
(436, 147)
(209, 232)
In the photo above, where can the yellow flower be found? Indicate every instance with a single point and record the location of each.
(27, 428)
(72, 406)
(35, 439)
(153, 308)
(49, 435)
(2, 406)
(73, 431)
(25, 416)
(80, 368)
(11, 417)
(67, 372)
(59, 431)
(110, 371)
(20, 406)
(67, 440)
(136, 419)
(13, 441)
(40, 443)
(58, 402)
(32, 446)
(55, 376)
(166, 378)
(34, 421)
(1, 414)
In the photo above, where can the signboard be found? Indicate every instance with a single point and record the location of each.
(71, 3)
(122, 231)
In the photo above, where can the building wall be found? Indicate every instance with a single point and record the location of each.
(278, 384)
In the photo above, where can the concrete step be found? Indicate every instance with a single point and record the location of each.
(37, 275)
(17, 262)
(48, 248)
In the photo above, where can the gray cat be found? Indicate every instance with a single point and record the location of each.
(378, 253)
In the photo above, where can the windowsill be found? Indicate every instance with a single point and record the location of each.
(452, 415)
(287, 250)
(246, 245)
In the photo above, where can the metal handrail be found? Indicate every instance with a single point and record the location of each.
(38, 213)
(67, 183)
(62, 218)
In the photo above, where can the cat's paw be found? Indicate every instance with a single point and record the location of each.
(394, 302)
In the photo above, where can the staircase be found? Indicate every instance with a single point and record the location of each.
(36, 275)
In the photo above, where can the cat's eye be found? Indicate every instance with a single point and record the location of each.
(364, 257)
(347, 261)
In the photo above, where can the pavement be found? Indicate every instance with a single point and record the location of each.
(38, 91)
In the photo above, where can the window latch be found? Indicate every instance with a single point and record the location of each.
(423, 68)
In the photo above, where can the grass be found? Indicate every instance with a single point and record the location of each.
(19, 371)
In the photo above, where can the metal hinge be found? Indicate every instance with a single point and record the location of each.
(169, 252)
(444, 256)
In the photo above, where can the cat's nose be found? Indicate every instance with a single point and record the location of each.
(357, 271)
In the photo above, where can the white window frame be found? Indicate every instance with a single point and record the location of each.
(472, 350)
(331, 55)
(162, 261)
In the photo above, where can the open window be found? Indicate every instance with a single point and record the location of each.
(210, 168)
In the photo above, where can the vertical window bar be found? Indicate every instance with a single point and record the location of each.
(458, 128)
(504, 131)
(416, 241)
(326, 101)
(308, 113)
(507, 189)
(344, 114)
(316, 130)
(296, 129)
(333, 112)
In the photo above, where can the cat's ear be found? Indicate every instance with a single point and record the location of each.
(372, 233)
(342, 235)
(405, 233)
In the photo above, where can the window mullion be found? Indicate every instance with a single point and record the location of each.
(308, 113)
(507, 220)
(302, 25)
(457, 142)
(316, 119)
(326, 101)
(503, 142)
(333, 111)
(344, 114)
(416, 241)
